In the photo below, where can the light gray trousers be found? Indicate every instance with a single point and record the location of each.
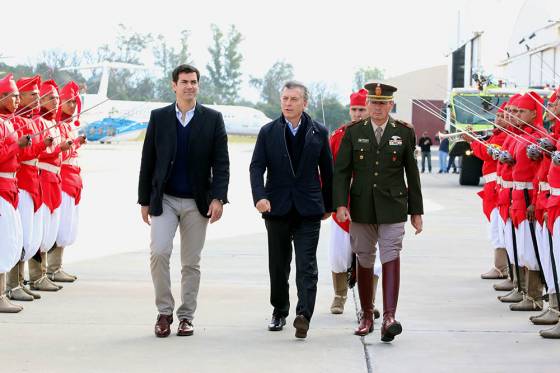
(182, 213)
(363, 238)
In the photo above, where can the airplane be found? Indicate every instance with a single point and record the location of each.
(120, 120)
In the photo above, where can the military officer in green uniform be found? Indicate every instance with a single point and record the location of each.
(374, 157)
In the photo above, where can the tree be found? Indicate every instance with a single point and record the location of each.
(224, 68)
(129, 46)
(272, 81)
(52, 61)
(325, 107)
(365, 74)
(168, 58)
(270, 86)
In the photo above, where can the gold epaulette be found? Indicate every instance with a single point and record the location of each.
(403, 123)
(361, 121)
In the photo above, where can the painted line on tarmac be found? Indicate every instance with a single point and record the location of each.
(363, 338)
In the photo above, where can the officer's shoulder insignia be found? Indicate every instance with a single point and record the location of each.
(360, 121)
(403, 123)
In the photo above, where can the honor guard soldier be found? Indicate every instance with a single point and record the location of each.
(11, 234)
(529, 120)
(70, 174)
(484, 151)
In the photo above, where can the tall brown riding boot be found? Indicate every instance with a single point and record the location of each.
(38, 275)
(391, 282)
(365, 284)
(516, 295)
(499, 270)
(532, 299)
(5, 305)
(507, 284)
(54, 268)
(15, 290)
(376, 313)
(340, 285)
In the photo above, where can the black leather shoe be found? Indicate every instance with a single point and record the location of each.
(302, 326)
(276, 323)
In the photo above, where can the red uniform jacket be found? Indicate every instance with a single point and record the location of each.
(51, 157)
(70, 171)
(553, 203)
(335, 140)
(525, 171)
(9, 149)
(28, 173)
(505, 172)
(489, 193)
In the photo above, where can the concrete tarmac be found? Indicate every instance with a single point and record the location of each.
(104, 322)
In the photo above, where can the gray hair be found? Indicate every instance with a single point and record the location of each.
(290, 84)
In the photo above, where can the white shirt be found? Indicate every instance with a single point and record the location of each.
(188, 116)
(375, 126)
(291, 126)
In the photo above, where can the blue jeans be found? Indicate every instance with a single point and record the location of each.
(443, 161)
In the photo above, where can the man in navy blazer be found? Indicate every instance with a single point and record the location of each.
(183, 183)
(294, 152)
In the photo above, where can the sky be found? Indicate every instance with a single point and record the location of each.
(324, 41)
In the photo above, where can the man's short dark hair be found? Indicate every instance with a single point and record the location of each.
(185, 69)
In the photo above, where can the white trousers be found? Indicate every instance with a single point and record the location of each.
(544, 251)
(340, 251)
(496, 231)
(548, 274)
(11, 236)
(32, 224)
(69, 219)
(525, 249)
(51, 223)
(508, 240)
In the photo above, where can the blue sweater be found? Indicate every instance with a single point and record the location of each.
(179, 183)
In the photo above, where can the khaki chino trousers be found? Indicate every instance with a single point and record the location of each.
(182, 213)
(364, 237)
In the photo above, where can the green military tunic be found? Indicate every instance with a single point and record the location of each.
(373, 175)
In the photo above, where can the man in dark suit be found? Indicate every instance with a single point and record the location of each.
(183, 182)
(294, 151)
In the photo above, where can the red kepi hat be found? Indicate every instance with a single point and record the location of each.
(26, 84)
(532, 101)
(502, 107)
(359, 98)
(47, 87)
(8, 84)
(68, 92)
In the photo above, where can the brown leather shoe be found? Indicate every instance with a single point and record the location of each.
(390, 328)
(302, 326)
(185, 328)
(162, 328)
(366, 324)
